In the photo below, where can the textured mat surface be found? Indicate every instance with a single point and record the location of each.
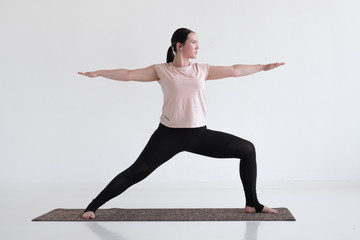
(174, 214)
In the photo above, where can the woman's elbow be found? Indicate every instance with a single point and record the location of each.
(129, 75)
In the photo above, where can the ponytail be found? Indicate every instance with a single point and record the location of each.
(180, 36)
(170, 55)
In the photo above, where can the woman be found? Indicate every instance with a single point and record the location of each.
(182, 123)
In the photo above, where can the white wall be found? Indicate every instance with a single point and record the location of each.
(57, 126)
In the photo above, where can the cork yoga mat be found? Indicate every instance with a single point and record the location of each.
(162, 214)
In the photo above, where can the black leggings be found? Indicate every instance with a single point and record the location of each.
(167, 142)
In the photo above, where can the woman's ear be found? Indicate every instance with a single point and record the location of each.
(178, 45)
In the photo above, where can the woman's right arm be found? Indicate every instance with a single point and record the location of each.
(140, 75)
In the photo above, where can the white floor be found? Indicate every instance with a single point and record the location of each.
(323, 210)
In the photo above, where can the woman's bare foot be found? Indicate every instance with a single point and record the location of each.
(88, 215)
(265, 210)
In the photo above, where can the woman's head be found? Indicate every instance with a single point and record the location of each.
(178, 40)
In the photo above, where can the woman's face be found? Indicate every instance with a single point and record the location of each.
(191, 46)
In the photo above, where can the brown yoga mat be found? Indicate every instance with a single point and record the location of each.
(174, 214)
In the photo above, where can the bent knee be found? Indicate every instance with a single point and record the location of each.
(249, 150)
(242, 149)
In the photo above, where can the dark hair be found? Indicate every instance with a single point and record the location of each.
(180, 35)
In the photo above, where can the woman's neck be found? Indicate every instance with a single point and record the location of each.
(180, 61)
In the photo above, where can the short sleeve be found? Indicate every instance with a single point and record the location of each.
(157, 70)
(204, 67)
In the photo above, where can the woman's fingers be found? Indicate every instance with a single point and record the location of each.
(88, 74)
(272, 66)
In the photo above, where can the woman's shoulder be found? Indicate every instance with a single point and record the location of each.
(161, 69)
(202, 66)
(159, 66)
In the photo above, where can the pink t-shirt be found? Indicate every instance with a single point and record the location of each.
(184, 98)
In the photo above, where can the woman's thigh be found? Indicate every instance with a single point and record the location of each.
(161, 147)
(219, 145)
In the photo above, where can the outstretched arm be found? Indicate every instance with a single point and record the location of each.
(140, 75)
(218, 72)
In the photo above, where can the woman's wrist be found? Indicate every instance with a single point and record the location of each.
(97, 73)
(260, 67)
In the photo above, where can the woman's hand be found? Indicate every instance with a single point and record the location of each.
(90, 74)
(270, 66)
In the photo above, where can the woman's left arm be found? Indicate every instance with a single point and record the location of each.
(239, 70)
